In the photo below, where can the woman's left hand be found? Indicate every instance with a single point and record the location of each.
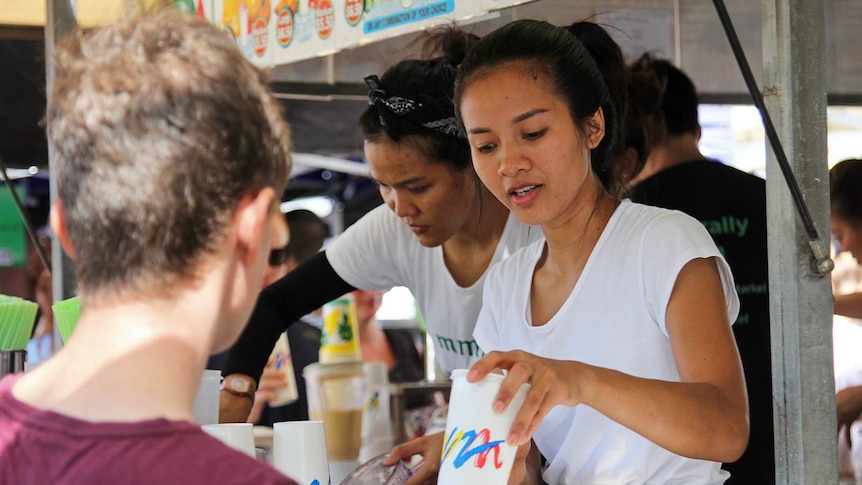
(552, 382)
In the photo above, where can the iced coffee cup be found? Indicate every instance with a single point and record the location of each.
(474, 443)
(336, 394)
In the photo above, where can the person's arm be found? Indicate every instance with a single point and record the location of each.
(527, 469)
(301, 291)
(703, 416)
(849, 305)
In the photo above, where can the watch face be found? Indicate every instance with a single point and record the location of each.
(240, 385)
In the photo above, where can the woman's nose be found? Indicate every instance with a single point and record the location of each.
(401, 204)
(512, 161)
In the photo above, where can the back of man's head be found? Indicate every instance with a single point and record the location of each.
(679, 98)
(307, 233)
(159, 127)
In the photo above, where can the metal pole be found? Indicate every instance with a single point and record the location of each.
(59, 22)
(800, 298)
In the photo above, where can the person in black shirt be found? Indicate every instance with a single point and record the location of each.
(731, 204)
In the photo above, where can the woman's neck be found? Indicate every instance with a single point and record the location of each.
(470, 251)
(485, 222)
(570, 242)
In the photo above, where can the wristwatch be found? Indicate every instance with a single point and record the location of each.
(239, 385)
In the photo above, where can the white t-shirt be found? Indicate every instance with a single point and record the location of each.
(614, 318)
(379, 251)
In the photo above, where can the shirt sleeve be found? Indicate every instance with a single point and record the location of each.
(369, 254)
(669, 244)
(301, 291)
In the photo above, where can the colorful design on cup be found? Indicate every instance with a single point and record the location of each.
(373, 402)
(475, 444)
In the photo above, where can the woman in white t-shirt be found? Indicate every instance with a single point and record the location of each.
(437, 233)
(620, 317)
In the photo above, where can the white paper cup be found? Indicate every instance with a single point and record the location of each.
(299, 451)
(281, 356)
(238, 436)
(474, 446)
(205, 410)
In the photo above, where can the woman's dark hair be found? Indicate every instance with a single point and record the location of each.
(845, 191)
(570, 70)
(644, 124)
(428, 83)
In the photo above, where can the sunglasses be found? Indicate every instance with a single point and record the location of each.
(277, 257)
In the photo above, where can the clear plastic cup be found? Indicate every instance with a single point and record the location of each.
(336, 394)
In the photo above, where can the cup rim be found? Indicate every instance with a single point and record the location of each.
(493, 376)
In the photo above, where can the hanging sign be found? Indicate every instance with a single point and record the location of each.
(309, 28)
(387, 18)
(498, 4)
(250, 23)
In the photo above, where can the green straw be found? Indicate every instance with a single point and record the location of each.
(17, 317)
(67, 312)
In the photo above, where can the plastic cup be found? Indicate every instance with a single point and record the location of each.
(238, 436)
(336, 394)
(474, 444)
(205, 410)
(299, 451)
(376, 426)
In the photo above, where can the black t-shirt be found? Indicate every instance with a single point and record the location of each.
(731, 204)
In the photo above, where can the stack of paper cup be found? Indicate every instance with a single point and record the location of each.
(205, 410)
(376, 426)
(238, 436)
(299, 451)
(474, 446)
(281, 357)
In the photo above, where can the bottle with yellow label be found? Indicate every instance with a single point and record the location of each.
(339, 338)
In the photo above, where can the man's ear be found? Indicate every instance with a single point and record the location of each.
(58, 225)
(253, 219)
(594, 128)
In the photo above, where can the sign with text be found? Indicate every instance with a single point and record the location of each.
(388, 18)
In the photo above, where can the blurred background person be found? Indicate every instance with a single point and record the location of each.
(394, 347)
(731, 204)
(845, 194)
(301, 234)
(41, 344)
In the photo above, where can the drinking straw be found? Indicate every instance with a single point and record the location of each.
(67, 312)
(17, 317)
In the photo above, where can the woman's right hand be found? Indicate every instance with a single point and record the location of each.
(430, 447)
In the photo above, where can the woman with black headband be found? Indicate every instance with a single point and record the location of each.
(437, 234)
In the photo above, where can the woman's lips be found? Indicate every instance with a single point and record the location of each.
(418, 230)
(524, 195)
